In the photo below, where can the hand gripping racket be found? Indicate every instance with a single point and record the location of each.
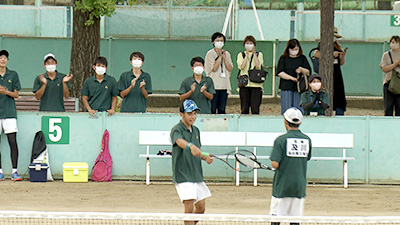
(245, 157)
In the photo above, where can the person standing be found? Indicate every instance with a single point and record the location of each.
(135, 86)
(186, 161)
(9, 90)
(390, 61)
(290, 154)
(339, 96)
(250, 94)
(52, 87)
(99, 92)
(315, 101)
(291, 63)
(218, 66)
(197, 87)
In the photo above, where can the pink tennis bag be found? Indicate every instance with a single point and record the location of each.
(102, 169)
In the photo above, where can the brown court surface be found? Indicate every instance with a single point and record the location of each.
(129, 196)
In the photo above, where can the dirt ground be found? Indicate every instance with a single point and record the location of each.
(129, 196)
(274, 109)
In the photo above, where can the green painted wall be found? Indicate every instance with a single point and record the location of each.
(376, 160)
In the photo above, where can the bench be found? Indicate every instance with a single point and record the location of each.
(208, 138)
(250, 139)
(318, 140)
(30, 103)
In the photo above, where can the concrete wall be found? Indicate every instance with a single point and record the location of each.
(375, 144)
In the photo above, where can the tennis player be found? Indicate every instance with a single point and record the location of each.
(289, 157)
(186, 161)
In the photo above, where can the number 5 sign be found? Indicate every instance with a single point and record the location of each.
(56, 129)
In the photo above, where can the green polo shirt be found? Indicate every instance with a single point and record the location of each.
(202, 102)
(10, 80)
(134, 101)
(292, 151)
(100, 94)
(185, 167)
(308, 97)
(53, 96)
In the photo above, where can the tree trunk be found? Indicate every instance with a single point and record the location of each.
(85, 48)
(326, 48)
(384, 5)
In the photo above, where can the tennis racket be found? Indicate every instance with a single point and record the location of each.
(245, 157)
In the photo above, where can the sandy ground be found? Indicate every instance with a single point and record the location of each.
(129, 196)
(273, 109)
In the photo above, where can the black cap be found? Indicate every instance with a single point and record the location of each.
(4, 52)
(314, 76)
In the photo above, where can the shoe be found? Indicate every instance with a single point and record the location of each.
(16, 177)
(2, 178)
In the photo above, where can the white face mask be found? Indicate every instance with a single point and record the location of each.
(293, 52)
(198, 70)
(394, 46)
(315, 86)
(219, 44)
(51, 68)
(100, 70)
(137, 63)
(249, 47)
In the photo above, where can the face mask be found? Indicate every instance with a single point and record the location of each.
(51, 68)
(315, 86)
(137, 63)
(198, 70)
(394, 46)
(249, 47)
(100, 70)
(219, 44)
(293, 52)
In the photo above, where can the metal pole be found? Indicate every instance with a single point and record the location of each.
(257, 20)
(227, 17)
(38, 4)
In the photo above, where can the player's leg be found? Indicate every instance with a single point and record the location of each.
(200, 206)
(189, 205)
(2, 178)
(10, 128)
(255, 100)
(244, 94)
(387, 100)
(296, 208)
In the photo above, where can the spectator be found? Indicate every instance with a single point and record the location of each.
(219, 66)
(291, 63)
(186, 161)
(339, 96)
(315, 101)
(391, 61)
(9, 90)
(290, 154)
(135, 86)
(251, 94)
(99, 92)
(52, 87)
(198, 88)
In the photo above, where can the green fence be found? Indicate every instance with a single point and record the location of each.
(168, 61)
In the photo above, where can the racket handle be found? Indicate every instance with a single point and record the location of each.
(205, 153)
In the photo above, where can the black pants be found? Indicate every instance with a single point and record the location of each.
(219, 102)
(390, 101)
(12, 141)
(250, 97)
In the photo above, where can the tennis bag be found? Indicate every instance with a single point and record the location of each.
(315, 61)
(102, 168)
(394, 83)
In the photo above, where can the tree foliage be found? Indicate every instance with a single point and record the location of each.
(95, 8)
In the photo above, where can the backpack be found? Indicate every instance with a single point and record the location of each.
(102, 168)
(315, 61)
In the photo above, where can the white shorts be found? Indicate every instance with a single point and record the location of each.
(9, 125)
(189, 190)
(287, 206)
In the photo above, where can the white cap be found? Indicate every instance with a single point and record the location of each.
(49, 55)
(293, 115)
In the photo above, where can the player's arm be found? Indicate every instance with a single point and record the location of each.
(183, 144)
(186, 95)
(12, 94)
(87, 106)
(275, 164)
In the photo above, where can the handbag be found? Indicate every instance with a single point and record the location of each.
(394, 83)
(242, 80)
(302, 82)
(255, 75)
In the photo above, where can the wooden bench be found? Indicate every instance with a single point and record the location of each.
(318, 140)
(208, 138)
(250, 139)
(30, 103)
